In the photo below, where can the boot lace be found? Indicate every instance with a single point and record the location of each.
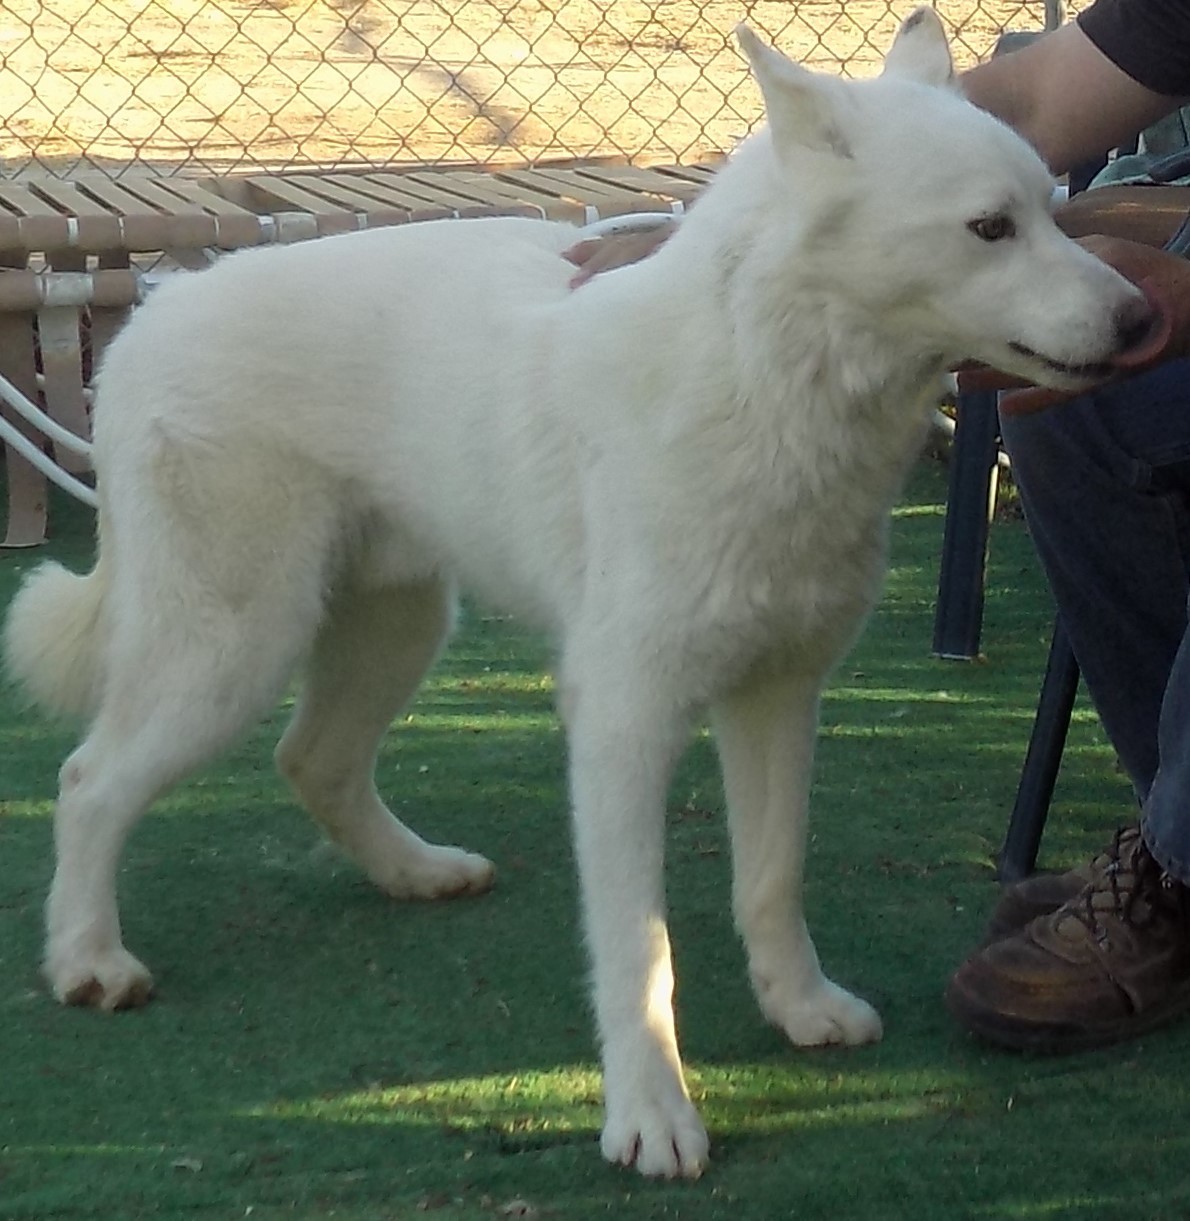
(1129, 886)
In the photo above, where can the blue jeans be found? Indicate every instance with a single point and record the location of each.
(1105, 483)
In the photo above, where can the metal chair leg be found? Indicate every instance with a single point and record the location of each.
(958, 616)
(1042, 761)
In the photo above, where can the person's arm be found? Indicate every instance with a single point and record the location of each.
(597, 254)
(1065, 97)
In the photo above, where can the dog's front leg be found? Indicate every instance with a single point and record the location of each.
(765, 732)
(622, 748)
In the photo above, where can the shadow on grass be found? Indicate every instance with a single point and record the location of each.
(317, 1050)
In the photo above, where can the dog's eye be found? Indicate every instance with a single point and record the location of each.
(994, 228)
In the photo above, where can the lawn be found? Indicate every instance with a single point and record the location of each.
(318, 1051)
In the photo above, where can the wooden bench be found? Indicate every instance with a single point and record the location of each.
(75, 258)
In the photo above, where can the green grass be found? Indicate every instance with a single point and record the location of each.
(317, 1051)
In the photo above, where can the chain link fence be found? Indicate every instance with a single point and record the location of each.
(213, 86)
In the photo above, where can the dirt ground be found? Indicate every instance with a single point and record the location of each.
(217, 85)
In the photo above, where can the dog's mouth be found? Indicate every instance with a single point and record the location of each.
(1145, 342)
(1093, 371)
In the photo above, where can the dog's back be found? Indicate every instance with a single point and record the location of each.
(301, 374)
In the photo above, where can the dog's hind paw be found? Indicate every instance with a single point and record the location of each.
(109, 981)
(660, 1141)
(828, 1015)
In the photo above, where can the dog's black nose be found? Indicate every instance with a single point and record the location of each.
(1134, 322)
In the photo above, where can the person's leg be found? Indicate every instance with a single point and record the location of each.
(1106, 487)
(1165, 818)
(1105, 482)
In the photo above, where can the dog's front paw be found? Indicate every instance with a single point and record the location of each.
(826, 1014)
(661, 1138)
(110, 980)
(435, 871)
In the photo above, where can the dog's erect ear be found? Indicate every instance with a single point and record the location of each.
(802, 107)
(920, 51)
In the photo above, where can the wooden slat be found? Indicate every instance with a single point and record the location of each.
(478, 194)
(664, 190)
(593, 198)
(281, 194)
(151, 219)
(365, 209)
(401, 204)
(235, 224)
(62, 369)
(580, 186)
(491, 190)
(428, 196)
(34, 224)
(27, 491)
(429, 199)
(98, 228)
(555, 202)
(557, 182)
(700, 175)
(24, 291)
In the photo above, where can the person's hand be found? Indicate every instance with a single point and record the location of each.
(1163, 278)
(598, 254)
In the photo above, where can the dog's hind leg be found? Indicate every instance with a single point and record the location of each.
(174, 695)
(369, 657)
(765, 734)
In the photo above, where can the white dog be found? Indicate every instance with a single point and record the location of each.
(683, 471)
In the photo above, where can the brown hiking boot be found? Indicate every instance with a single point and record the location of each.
(1042, 893)
(1109, 964)
(1038, 895)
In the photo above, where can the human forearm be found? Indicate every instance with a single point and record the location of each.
(1065, 97)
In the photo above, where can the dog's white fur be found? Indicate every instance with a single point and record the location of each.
(683, 471)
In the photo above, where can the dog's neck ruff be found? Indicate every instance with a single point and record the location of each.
(800, 353)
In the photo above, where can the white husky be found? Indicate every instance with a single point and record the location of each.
(682, 470)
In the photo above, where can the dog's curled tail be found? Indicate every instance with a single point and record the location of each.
(52, 638)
